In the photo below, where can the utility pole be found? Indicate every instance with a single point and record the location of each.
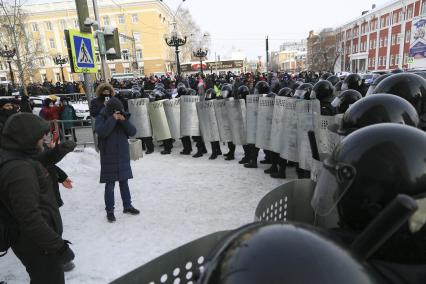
(267, 53)
(102, 56)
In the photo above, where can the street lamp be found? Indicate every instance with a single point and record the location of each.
(201, 53)
(175, 40)
(9, 54)
(59, 60)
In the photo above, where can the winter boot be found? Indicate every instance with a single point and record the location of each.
(111, 217)
(273, 169)
(251, 165)
(267, 158)
(281, 173)
(187, 147)
(245, 159)
(231, 154)
(149, 145)
(131, 210)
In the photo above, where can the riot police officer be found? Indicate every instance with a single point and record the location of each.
(365, 172)
(409, 86)
(282, 253)
(342, 102)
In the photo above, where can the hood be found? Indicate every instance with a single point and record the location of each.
(102, 87)
(22, 132)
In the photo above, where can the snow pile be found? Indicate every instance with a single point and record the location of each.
(180, 198)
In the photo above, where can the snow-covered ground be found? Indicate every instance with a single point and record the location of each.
(180, 198)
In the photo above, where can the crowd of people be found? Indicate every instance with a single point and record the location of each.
(376, 161)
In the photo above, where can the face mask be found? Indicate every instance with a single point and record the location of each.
(50, 105)
(418, 220)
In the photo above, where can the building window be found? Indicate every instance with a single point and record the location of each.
(134, 18)
(139, 54)
(122, 39)
(43, 77)
(382, 22)
(409, 12)
(398, 38)
(423, 7)
(380, 60)
(63, 24)
(76, 25)
(392, 60)
(393, 39)
(137, 36)
(58, 77)
(125, 54)
(387, 18)
(385, 42)
(42, 62)
(126, 70)
(51, 43)
(121, 19)
(385, 60)
(106, 21)
(397, 59)
(35, 27)
(49, 26)
(405, 58)
(408, 36)
(381, 43)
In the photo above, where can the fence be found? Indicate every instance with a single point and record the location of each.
(79, 131)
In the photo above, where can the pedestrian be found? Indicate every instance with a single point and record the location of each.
(29, 211)
(68, 114)
(103, 92)
(114, 129)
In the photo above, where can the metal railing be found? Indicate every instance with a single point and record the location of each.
(79, 131)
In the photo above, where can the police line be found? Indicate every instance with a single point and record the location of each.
(278, 124)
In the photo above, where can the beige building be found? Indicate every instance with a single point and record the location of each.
(147, 21)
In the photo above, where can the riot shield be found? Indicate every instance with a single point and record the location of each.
(277, 127)
(183, 262)
(288, 202)
(189, 124)
(289, 135)
(305, 110)
(236, 110)
(264, 123)
(223, 122)
(208, 123)
(172, 109)
(251, 116)
(138, 108)
(160, 127)
(321, 123)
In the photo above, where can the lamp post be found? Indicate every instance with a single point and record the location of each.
(201, 53)
(175, 40)
(9, 54)
(59, 60)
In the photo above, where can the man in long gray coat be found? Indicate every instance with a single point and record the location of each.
(113, 129)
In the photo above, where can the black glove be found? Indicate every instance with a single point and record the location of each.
(65, 254)
(67, 146)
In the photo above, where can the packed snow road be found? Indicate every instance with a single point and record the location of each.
(180, 198)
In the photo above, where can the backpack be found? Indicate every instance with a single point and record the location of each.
(9, 228)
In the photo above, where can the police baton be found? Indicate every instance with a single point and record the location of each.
(384, 226)
(313, 143)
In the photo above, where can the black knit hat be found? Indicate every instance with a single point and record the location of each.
(4, 101)
(114, 105)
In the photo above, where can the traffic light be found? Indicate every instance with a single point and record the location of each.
(112, 43)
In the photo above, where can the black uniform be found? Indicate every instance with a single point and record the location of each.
(26, 194)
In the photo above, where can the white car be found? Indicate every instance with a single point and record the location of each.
(81, 109)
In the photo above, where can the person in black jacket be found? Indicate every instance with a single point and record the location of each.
(26, 194)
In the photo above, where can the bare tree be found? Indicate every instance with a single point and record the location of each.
(325, 55)
(13, 32)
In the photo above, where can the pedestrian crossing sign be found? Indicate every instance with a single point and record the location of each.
(83, 52)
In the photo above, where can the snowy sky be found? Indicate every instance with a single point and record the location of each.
(243, 25)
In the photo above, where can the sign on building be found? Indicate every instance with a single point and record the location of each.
(82, 52)
(418, 43)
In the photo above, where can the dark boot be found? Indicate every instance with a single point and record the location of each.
(167, 147)
(245, 159)
(197, 155)
(187, 145)
(254, 152)
(215, 150)
(267, 158)
(274, 160)
(111, 217)
(149, 145)
(231, 154)
(281, 173)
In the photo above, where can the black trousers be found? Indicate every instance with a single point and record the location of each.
(42, 268)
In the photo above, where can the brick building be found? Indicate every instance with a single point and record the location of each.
(379, 40)
(321, 50)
